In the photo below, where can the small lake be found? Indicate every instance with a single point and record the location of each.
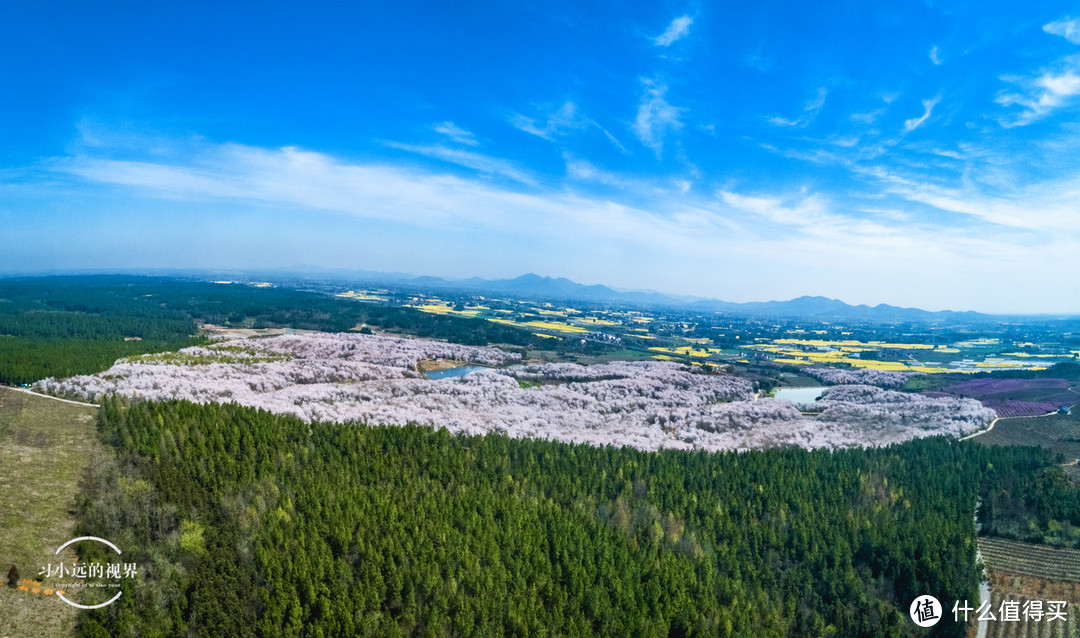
(798, 395)
(453, 372)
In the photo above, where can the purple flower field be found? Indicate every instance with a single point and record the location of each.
(1034, 390)
(1021, 408)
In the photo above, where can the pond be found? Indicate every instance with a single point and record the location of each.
(798, 395)
(453, 372)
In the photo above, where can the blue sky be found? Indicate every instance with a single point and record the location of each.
(922, 154)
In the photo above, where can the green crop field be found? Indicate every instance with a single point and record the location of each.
(1042, 561)
(1060, 433)
(45, 447)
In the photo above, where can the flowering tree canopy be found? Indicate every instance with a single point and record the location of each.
(861, 376)
(648, 405)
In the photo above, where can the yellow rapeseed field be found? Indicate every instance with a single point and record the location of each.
(361, 295)
(446, 310)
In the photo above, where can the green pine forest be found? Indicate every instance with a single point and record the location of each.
(251, 524)
(64, 326)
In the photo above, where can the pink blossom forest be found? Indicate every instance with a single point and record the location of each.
(647, 405)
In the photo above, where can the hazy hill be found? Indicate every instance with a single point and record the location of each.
(562, 289)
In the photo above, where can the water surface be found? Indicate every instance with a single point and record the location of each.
(798, 395)
(452, 372)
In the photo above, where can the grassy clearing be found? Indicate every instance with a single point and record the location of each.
(45, 448)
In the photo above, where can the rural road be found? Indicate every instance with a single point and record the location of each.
(988, 428)
(46, 396)
(996, 419)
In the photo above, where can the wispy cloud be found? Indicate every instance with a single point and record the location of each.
(868, 117)
(303, 182)
(559, 122)
(1068, 28)
(949, 153)
(553, 123)
(456, 133)
(827, 239)
(677, 30)
(614, 140)
(757, 60)
(935, 56)
(809, 112)
(581, 169)
(916, 122)
(1041, 95)
(1038, 96)
(1044, 207)
(476, 161)
(805, 211)
(655, 117)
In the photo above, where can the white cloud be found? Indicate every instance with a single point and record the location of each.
(935, 56)
(1041, 95)
(951, 154)
(1038, 96)
(810, 111)
(1068, 28)
(869, 117)
(581, 169)
(614, 140)
(468, 159)
(306, 182)
(807, 211)
(1044, 208)
(655, 117)
(677, 30)
(456, 133)
(686, 237)
(554, 123)
(916, 122)
(845, 141)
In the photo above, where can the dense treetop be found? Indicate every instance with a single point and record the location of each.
(63, 326)
(256, 524)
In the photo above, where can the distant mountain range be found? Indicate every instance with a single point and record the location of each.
(562, 289)
(824, 308)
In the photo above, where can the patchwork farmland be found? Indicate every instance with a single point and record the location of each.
(1059, 432)
(1042, 561)
(1030, 593)
(1022, 574)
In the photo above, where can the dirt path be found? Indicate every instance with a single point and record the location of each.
(998, 418)
(988, 428)
(47, 396)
